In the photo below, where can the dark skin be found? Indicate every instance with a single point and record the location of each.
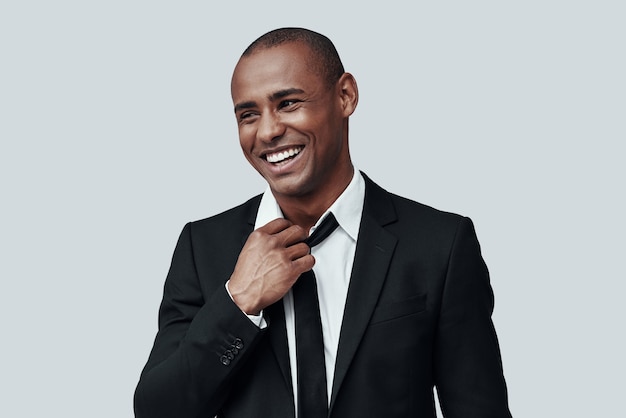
(293, 129)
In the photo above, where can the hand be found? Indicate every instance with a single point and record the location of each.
(270, 262)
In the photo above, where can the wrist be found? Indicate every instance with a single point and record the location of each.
(242, 301)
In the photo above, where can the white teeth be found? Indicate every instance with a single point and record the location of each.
(281, 156)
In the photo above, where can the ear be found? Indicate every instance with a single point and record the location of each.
(348, 93)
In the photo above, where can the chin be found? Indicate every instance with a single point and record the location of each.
(288, 188)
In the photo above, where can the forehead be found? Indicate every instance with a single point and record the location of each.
(268, 70)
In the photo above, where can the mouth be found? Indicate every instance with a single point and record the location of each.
(284, 155)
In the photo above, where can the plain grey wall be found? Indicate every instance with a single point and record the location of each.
(116, 128)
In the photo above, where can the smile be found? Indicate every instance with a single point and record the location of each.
(280, 156)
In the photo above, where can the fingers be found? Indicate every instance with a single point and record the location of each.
(271, 260)
(275, 226)
(298, 250)
(285, 232)
(292, 235)
(303, 264)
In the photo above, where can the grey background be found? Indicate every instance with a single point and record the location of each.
(116, 128)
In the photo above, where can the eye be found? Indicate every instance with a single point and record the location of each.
(246, 117)
(288, 104)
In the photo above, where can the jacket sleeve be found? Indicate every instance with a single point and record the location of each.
(200, 345)
(468, 366)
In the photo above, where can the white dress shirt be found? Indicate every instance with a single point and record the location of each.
(333, 266)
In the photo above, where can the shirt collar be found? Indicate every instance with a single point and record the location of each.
(347, 209)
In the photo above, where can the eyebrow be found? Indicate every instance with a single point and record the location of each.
(286, 92)
(244, 105)
(273, 97)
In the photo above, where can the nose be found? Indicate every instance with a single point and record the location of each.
(270, 127)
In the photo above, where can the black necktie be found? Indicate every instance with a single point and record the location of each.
(312, 389)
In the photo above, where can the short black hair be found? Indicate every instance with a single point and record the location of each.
(326, 61)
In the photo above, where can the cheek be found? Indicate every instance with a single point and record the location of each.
(329, 147)
(246, 139)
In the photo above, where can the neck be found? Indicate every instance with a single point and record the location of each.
(307, 209)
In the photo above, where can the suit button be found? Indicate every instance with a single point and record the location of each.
(238, 344)
(225, 360)
(229, 354)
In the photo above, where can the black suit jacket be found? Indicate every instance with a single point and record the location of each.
(418, 314)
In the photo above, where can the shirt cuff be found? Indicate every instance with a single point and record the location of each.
(257, 320)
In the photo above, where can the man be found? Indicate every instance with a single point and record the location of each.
(404, 296)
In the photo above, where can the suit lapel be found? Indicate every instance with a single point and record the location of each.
(253, 209)
(277, 333)
(374, 251)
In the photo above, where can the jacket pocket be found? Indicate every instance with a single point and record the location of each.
(394, 310)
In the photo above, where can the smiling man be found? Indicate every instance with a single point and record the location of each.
(326, 296)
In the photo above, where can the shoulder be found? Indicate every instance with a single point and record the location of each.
(415, 212)
(390, 208)
(427, 225)
(416, 224)
(225, 228)
(422, 232)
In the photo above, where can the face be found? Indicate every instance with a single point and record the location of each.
(292, 125)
